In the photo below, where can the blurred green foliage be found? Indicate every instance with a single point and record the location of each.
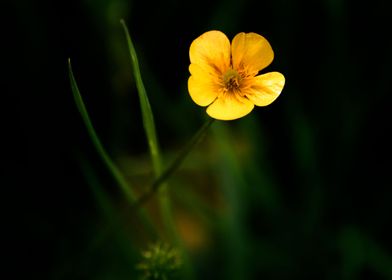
(297, 190)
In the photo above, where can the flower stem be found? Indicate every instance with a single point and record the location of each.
(175, 164)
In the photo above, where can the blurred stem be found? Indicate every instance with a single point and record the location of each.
(116, 173)
(232, 184)
(114, 224)
(160, 184)
(176, 163)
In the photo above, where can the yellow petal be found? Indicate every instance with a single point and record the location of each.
(202, 86)
(252, 51)
(265, 88)
(229, 108)
(211, 51)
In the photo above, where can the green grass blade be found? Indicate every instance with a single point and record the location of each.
(148, 118)
(94, 138)
(149, 127)
(118, 176)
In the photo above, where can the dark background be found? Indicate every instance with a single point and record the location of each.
(325, 141)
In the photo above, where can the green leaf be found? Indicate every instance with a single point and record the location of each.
(148, 118)
(149, 127)
(116, 173)
(94, 138)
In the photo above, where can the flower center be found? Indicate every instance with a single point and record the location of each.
(231, 80)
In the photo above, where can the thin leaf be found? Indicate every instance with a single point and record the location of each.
(148, 118)
(149, 127)
(94, 138)
(118, 176)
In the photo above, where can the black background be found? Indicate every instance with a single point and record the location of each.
(336, 58)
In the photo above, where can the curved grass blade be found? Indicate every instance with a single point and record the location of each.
(125, 188)
(96, 142)
(148, 118)
(149, 127)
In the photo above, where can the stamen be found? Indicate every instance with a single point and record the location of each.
(231, 80)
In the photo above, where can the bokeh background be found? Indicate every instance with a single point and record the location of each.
(300, 189)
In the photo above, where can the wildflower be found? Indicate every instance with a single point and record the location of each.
(225, 77)
(160, 262)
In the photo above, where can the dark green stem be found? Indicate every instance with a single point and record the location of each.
(175, 164)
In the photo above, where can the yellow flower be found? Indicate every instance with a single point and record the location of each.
(224, 76)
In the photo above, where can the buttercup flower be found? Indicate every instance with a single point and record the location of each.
(225, 77)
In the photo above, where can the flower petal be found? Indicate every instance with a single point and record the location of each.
(252, 51)
(202, 86)
(211, 51)
(229, 108)
(265, 88)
